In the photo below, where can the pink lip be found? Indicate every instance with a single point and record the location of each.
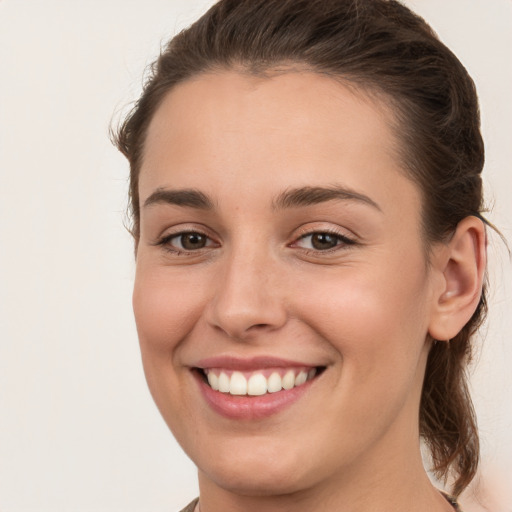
(250, 407)
(251, 364)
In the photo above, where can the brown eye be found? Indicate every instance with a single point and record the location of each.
(186, 241)
(192, 241)
(323, 241)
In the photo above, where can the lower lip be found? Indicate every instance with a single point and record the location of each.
(250, 407)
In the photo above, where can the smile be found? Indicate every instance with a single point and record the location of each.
(253, 389)
(259, 382)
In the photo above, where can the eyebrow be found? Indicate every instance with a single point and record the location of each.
(293, 198)
(306, 196)
(183, 197)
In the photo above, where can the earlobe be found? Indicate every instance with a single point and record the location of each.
(462, 266)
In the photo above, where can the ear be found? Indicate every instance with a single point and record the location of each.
(460, 264)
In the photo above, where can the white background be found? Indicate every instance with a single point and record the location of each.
(78, 429)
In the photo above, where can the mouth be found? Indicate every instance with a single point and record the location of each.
(255, 388)
(258, 382)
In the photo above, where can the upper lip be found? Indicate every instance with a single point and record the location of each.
(249, 364)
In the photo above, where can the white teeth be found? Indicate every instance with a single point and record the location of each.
(257, 384)
(274, 383)
(238, 384)
(223, 383)
(301, 378)
(289, 380)
(213, 380)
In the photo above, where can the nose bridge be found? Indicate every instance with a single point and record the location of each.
(247, 296)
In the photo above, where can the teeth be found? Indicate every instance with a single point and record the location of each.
(274, 383)
(238, 384)
(213, 380)
(256, 384)
(301, 378)
(223, 383)
(289, 380)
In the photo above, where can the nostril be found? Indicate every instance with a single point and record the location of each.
(241, 306)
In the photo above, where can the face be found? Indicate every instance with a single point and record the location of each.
(282, 295)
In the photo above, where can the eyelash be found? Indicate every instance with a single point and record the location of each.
(165, 242)
(343, 242)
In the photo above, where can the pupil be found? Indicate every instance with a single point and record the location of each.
(192, 241)
(323, 241)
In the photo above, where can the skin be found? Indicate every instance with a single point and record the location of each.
(363, 310)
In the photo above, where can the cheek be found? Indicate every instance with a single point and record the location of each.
(166, 306)
(370, 315)
(377, 325)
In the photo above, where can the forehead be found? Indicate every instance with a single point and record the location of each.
(231, 130)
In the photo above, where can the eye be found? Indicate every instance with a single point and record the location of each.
(322, 241)
(188, 241)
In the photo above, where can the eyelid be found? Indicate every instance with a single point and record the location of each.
(179, 235)
(344, 239)
(177, 231)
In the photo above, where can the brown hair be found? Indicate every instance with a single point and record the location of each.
(382, 46)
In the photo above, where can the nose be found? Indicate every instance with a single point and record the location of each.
(249, 296)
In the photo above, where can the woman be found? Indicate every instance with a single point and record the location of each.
(306, 198)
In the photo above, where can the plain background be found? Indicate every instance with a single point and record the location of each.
(78, 429)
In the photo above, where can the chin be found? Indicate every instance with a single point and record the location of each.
(251, 471)
(255, 481)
